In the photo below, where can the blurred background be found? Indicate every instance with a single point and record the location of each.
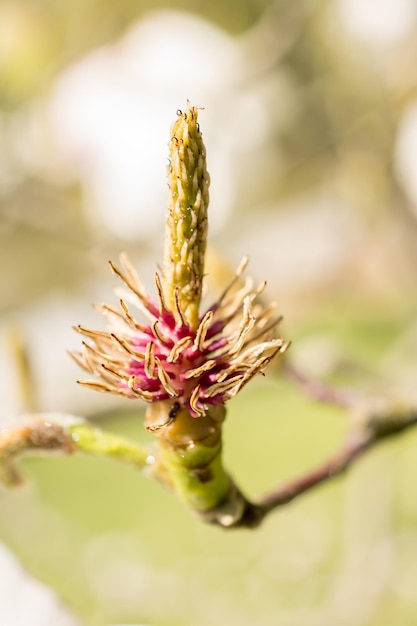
(310, 123)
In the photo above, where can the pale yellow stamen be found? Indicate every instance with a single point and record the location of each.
(165, 381)
(130, 282)
(179, 347)
(149, 364)
(202, 331)
(121, 341)
(222, 387)
(145, 395)
(115, 373)
(129, 318)
(99, 386)
(197, 371)
(157, 333)
(194, 399)
(178, 312)
(162, 303)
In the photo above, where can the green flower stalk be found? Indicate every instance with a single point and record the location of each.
(185, 363)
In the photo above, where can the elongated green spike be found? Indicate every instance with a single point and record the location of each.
(186, 225)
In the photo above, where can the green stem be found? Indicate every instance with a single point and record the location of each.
(94, 441)
(189, 461)
(197, 476)
(64, 434)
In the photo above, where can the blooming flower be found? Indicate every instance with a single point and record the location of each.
(168, 359)
(196, 360)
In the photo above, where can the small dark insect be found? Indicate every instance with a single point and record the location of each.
(173, 412)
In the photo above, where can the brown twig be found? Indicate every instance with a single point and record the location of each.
(33, 434)
(330, 469)
(377, 427)
(318, 390)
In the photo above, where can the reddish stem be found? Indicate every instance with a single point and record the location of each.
(332, 468)
(320, 391)
(377, 428)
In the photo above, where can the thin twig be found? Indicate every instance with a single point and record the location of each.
(377, 428)
(318, 390)
(65, 434)
(330, 469)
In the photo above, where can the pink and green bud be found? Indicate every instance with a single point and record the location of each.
(185, 363)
